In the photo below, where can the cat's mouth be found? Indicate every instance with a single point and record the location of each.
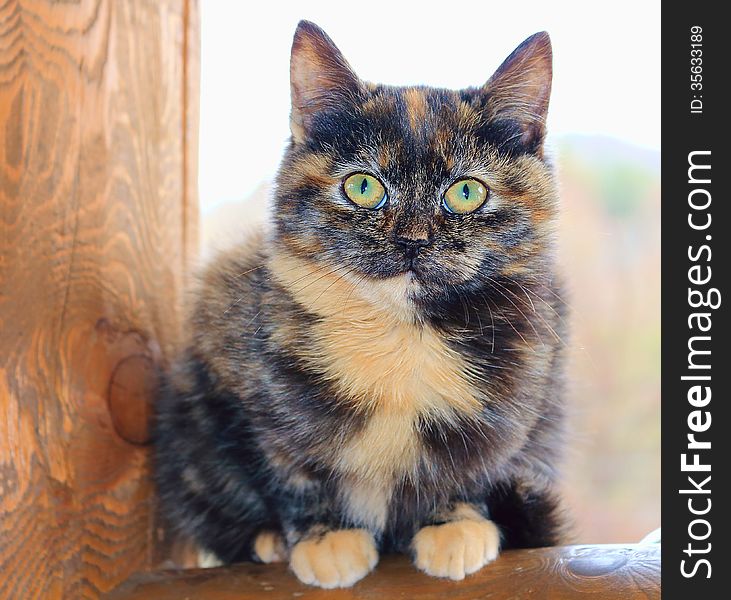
(411, 277)
(414, 270)
(412, 281)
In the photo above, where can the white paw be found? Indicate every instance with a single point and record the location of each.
(337, 559)
(456, 549)
(208, 560)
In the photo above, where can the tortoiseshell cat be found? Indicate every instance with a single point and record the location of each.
(380, 371)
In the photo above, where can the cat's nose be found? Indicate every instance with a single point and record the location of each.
(412, 245)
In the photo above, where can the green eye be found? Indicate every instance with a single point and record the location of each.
(465, 196)
(365, 190)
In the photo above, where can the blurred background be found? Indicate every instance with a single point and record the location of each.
(604, 126)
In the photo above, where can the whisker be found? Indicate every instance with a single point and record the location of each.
(330, 272)
(361, 279)
(521, 312)
(337, 279)
(546, 323)
(240, 275)
(510, 323)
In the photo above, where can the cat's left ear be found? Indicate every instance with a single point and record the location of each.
(320, 78)
(520, 89)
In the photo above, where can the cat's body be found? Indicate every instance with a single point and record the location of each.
(379, 380)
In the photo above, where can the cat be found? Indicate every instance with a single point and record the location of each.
(380, 370)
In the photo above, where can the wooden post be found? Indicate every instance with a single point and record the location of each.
(98, 211)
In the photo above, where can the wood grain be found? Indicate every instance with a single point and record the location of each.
(567, 573)
(98, 113)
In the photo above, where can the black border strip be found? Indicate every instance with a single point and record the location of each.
(689, 257)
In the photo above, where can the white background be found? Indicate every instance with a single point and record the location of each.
(606, 68)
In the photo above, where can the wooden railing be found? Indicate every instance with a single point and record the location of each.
(566, 573)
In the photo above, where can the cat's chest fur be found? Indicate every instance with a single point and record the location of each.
(394, 371)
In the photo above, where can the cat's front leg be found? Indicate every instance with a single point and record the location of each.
(332, 558)
(322, 552)
(464, 542)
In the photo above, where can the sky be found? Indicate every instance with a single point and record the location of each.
(606, 68)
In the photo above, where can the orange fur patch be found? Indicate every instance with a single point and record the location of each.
(368, 345)
(269, 547)
(416, 108)
(314, 169)
(361, 343)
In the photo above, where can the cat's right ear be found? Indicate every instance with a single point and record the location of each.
(320, 78)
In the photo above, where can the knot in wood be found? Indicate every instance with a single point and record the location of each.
(131, 392)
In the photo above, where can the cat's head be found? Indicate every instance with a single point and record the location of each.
(417, 190)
